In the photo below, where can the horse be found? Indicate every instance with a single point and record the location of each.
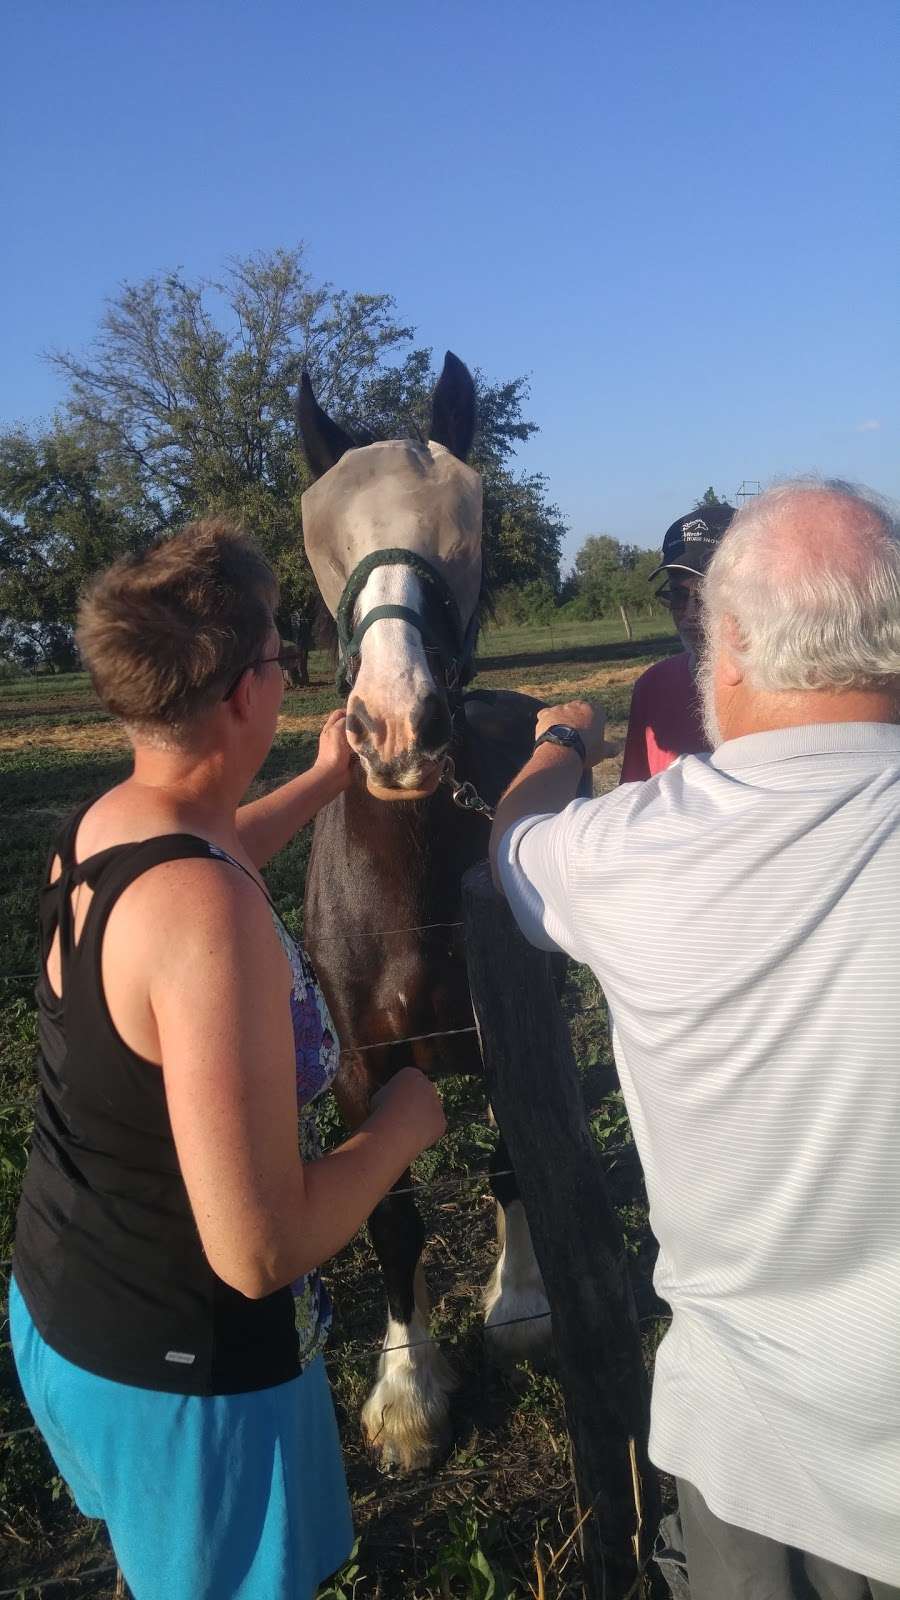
(393, 533)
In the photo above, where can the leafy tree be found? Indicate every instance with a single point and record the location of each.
(709, 498)
(67, 508)
(639, 591)
(609, 575)
(601, 566)
(195, 383)
(189, 388)
(529, 602)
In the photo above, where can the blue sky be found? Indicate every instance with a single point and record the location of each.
(680, 218)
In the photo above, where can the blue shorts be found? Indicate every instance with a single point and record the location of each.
(231, 1497)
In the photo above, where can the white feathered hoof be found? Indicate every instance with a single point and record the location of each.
(406, 1419)
(517, 1323)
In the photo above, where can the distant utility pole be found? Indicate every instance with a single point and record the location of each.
(748, 489)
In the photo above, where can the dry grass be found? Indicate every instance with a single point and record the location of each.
(103, 733)
(588, 685)
(84, 738)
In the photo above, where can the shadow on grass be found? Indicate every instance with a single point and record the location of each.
(664, 644)
(55, 781)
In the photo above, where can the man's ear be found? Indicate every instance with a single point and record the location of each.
(730, 647)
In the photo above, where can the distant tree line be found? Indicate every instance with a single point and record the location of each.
(608, 579)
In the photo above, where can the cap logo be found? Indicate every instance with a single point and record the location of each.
(696, 529)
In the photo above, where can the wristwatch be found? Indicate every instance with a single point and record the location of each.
(568, 738)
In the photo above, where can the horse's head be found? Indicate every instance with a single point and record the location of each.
(393, 535)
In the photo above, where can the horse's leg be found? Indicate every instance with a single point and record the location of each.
(406, 1418)
(516, 1311)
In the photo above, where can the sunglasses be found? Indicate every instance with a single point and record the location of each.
(677, 597)
(286, 658)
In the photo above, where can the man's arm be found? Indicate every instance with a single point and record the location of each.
(266, 825)
(549, 779)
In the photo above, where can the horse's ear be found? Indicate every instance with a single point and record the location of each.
(323, 441)
(453, 407)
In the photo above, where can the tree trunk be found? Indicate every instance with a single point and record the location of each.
(298, 673)
(627, 621)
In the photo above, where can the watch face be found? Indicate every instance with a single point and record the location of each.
(564, 734)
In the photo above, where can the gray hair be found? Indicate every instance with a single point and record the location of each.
(804, 619)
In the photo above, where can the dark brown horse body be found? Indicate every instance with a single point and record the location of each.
(382, 924)
(383, 907)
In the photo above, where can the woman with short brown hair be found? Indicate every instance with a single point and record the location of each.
(167, 1313)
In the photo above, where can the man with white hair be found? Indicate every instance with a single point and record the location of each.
(741, 912)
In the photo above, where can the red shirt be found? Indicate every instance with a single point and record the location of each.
(664, 721)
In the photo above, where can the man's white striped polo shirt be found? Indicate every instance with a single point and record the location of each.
(742, 912)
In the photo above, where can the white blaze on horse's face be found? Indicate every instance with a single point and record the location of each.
(396, 496)
(397, 719)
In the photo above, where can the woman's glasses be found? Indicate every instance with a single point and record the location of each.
(288, 657)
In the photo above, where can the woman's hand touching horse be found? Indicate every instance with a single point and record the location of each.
(266, 825)
(335, 760)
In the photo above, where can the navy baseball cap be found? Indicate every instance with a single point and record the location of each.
(691, 542)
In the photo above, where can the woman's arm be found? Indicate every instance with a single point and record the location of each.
(220, 993)
(266, 825)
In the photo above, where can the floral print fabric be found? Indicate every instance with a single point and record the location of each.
(316, 1053)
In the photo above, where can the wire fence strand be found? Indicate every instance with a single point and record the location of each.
(89, 1575)
(326, 938)
(372, 1347)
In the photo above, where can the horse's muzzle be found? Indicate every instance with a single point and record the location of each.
(402, 758)
(413, 776)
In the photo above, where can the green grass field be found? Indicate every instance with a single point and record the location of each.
(503, 1504)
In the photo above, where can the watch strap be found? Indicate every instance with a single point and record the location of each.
(571, 741)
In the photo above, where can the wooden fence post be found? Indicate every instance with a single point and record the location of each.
(535, 1092)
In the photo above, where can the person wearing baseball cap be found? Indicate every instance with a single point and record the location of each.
(664, 721)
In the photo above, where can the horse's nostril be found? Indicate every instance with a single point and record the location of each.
(431, 724)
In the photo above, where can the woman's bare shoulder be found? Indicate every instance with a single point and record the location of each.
(125, 815)
(193, 891)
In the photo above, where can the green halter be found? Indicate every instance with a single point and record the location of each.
(453, 643)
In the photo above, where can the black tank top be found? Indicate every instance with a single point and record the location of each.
(107, 1254)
